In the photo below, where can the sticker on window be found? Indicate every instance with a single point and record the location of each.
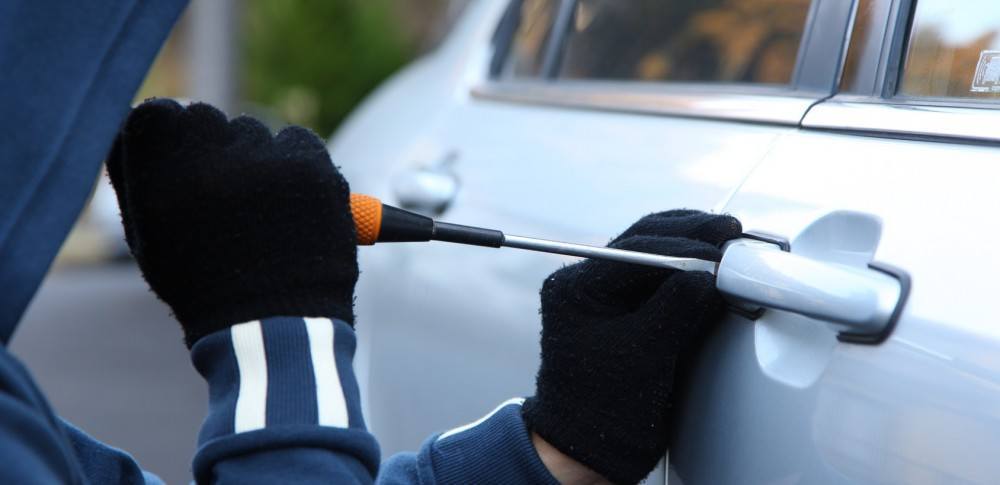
(987, 79)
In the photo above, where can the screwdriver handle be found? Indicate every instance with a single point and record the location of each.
(376, 222)
(367, 213)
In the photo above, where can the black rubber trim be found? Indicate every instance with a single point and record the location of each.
(752, 315)
(769, 238)
(905, 284)
(503, 37)
(818, 63)
(782, 244)
(556, 42)
(895, 46)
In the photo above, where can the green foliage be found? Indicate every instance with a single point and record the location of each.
(312, 61)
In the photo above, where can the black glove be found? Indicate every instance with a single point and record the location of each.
(612, 336)
(229, 223)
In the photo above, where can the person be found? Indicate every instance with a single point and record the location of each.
(70, 71)
(249, 239)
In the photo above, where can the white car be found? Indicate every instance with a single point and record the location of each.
(858, 131)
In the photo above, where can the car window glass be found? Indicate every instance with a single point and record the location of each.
(526, 56)
(742, 41)
(869, 18)
(953, 50)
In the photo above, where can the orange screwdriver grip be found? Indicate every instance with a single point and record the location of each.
(367, 213)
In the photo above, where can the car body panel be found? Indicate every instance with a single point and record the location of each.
(447, 331)
(519, 178)
(924, 406)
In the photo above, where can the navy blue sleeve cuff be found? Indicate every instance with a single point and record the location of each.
(283, 404)
(494, 449)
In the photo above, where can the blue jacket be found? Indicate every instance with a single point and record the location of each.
(68, 72)
(284, 402)
(283, 407)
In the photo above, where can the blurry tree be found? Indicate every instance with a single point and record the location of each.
(312, 61)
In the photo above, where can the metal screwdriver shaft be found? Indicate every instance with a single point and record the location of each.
(380, 223)
(610, 254)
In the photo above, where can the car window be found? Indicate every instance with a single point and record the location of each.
(869, 18)
(737, 41)
(953, 50)
(533, 27)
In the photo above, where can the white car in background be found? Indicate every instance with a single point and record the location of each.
(858, 131)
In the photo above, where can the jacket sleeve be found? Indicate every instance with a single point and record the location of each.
(31, 439)
(40, 448)
(101, 463)
(494, 449)
(68, 73)
(284, 407)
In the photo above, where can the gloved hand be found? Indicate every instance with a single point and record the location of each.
(231, 224)
(612, 337)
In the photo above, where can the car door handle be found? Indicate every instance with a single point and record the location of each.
(427, 190)
(862, 303)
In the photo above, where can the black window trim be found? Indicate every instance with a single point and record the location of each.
(552, 61)
(813, 79)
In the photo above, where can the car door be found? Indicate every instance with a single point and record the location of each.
(900, 167)
(546, 138)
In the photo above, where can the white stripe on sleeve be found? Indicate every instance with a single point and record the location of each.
(517, 400)
(330, 401)
(251, 404)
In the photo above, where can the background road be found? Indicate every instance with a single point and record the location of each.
(112, 361)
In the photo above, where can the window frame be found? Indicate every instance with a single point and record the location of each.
(814, 78)
(506, 33)
(882, 111)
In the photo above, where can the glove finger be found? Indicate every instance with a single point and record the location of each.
(150, 128)
(303, 148)
(296, 141)
(627, 286)
(669, 246)
(164, 141)
(115, 166)
(683, 309)
(711, 228)
(204, 125)
(641, 226)
(249, 133)
(147, 134)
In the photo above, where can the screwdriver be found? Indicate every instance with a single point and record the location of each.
(381, 223)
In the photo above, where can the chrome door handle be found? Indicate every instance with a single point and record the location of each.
(426, 190)
(862, 303)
